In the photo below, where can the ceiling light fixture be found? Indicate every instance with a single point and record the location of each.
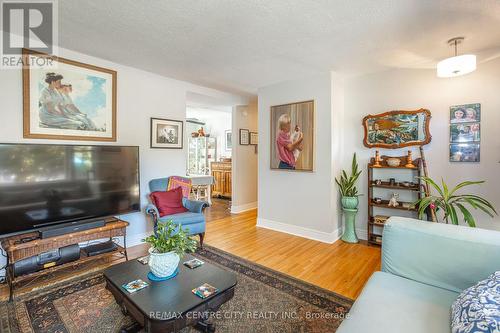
(457, 65)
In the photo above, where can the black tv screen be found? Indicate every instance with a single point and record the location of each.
(45, 185)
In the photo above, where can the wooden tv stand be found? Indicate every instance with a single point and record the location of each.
(17, 250)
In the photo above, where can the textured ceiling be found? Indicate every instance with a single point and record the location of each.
(241, 45)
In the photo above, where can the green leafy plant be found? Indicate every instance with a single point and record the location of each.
(347, 183)
(451, 203)
(169, 237)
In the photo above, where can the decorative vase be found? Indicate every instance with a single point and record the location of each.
(163, 264)
(350, 202)
(349, 235)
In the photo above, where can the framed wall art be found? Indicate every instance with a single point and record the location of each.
(167, 133)
(228, 140)
(292, 136)
(465, 133)
(396, 129)
(254, 138)
(69, 101)
(244, 137)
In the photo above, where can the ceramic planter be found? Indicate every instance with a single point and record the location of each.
(350, 202)
(163, 264)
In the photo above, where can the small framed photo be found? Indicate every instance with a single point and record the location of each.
(167, 133)
(254, 138)
(244, 137)
(464, 152)
(228, 140)
(468, 132)
(467, 113)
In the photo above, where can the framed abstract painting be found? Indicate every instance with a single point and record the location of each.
(68, 101)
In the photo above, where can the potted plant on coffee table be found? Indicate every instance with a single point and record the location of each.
(168, 245)
(349, 199)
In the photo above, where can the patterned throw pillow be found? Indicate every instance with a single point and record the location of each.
(184, 183)
(477, 309)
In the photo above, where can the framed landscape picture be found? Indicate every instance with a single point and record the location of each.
(69, 101)
(167, 133)
(467, 132)
(292, 136)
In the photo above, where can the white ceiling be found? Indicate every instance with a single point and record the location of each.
(241, 45)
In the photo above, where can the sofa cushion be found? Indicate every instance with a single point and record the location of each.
(477, 309)
(392, 304)
(184, 183)
(169, 202)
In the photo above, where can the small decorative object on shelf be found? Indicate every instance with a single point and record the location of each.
(393, 161)
(393, 202)
(201, 132)
(409, 161)
(377, 160)
(406, 184)
(380, 219)
(378, 182)
(377, 200)
(392, 181)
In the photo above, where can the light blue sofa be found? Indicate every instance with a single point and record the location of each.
(193, 220)
(425, 266)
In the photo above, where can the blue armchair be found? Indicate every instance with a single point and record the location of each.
(193, 219)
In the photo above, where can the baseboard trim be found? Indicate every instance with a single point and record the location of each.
(321, 236)
(243, 208)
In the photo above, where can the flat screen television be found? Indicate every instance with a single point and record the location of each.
(46, 185)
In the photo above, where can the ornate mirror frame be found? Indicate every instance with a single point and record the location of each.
(390, 122)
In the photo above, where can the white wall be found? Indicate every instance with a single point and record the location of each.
(300, 203)
(245, 158)
(140, 95)
(413, 89)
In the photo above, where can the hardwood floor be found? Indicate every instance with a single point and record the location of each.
(340, 267)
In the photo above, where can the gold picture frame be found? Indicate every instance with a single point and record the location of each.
(51, 112)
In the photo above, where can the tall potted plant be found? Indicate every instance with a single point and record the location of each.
(168, 245)
(349, 200)
(347, 186)
(451, 204)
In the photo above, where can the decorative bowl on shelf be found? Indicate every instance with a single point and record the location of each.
(406, 184)
(393, 161)
(377, 200)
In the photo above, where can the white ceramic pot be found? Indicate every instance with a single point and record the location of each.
(393, 162)
(163, 264)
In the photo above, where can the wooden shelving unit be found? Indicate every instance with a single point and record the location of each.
(375, 235)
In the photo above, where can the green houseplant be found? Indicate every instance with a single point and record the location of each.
(168, 244)
(349, 200)
(452, 204)
(347, 186)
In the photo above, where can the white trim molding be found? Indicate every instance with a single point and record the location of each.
(321, 236)
(243, 208)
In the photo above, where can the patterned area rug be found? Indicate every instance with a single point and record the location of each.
(264, 301)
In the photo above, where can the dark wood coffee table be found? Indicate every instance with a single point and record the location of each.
(169, 306)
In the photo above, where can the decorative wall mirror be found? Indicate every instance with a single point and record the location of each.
(396, 129)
